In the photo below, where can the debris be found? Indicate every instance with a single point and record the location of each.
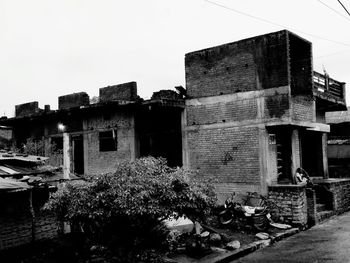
(181, 224)
(198, 228)
(235, 244)
(215, 238)
(262, 235)
(205, 234)
(281, 226)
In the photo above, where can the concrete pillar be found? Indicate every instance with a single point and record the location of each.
(85, 147)
(133, 143)
(265, 179)
(185, 161)
(295, 151)
(324, 156)
(66, 156)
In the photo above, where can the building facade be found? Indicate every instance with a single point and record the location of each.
(255, 112)
(92, 138)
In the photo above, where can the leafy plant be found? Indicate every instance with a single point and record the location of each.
(127, 207)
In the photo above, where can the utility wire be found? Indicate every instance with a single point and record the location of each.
(275, 24)
(343, 7)
(334, 10)
(332, 54)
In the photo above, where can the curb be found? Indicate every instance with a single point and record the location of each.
(243, 251)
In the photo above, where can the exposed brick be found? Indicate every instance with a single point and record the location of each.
(73, 100)
(250, 64)
(222, 112)
(228, 155)
(27, 109)
(125, 91)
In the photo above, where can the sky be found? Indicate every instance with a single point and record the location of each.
(50, 48)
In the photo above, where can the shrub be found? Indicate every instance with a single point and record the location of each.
(126, 207)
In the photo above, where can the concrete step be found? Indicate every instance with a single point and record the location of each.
(321, 207)
(321, 216)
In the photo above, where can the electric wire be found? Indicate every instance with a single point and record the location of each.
(334, 10)
(275, 24)
(343, 7)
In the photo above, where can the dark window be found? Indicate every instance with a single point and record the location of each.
(108, 140)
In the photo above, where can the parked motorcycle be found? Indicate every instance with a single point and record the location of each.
(235, 213)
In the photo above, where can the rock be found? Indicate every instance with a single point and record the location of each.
(198, 228)
(235, 244)
(205, 234)
(226, 238)
(93, 248)
(281, 226)
(215, 238)
(262, 236)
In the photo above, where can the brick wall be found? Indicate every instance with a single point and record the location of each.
(340, 189)
(27, 109)
(303, 108)
(250, 64)
(45, 225)
(73, 100)
(125, 91)
(16, 223)
(103, 162)
(222, 112)
(230, 156)
(276, 106)
(291, 203)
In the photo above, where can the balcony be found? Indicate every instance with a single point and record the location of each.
(329, 93)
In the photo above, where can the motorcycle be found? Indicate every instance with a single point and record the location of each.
(233, 212)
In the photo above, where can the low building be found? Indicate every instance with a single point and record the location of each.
(93, 138)
(254, 112)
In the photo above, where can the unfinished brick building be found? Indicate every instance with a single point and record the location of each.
(95, 137)
(255, 112)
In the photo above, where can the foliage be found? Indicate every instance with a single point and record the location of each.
(128, 206)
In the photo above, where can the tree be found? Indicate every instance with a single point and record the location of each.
(128, 206)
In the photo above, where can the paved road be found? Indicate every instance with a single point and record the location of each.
(328, 242)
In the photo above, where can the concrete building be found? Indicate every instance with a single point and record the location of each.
(255, 112)
(339, 144)
(94, 138)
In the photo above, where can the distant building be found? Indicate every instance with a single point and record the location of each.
(5, 137)
(339, 144)
(94, 138)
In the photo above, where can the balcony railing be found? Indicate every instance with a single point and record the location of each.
(328, 86)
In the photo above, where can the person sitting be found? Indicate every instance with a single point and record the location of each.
(302, 178)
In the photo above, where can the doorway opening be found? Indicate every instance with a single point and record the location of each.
(78, 154)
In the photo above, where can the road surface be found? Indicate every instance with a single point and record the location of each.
(327, 242)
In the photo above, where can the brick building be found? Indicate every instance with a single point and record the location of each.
(94, 137)
(255, 112)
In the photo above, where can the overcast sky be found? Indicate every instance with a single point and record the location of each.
(50, 48)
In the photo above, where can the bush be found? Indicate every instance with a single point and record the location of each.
(126, 208)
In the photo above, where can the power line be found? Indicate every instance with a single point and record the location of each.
(343, 7)
(334, 10)
(332, 54)
(275, 24)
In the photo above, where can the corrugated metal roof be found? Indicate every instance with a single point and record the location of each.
(7, 184)
(21, 157)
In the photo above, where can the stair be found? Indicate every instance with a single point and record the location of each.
(322, 216)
